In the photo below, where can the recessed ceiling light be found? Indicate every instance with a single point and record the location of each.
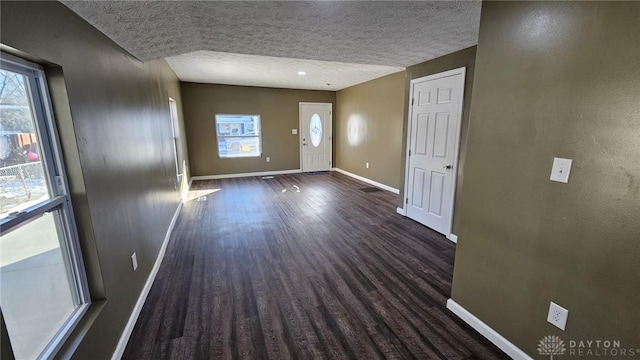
(302, 73)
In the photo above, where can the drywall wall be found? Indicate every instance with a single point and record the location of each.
(278, 110)
(117, 138)
(369, 129)
(464, 58)
(553, 79)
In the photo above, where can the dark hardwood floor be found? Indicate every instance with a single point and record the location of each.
(329, 272)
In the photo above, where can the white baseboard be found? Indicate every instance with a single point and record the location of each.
(401, 211)
(453, 237)
(128, 329)
(229, 176)
(368, 181)
(484, 329)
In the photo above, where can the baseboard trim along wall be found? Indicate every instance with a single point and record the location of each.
(486, 331)
(453, 237)
(401, 211)
(368, 181)
(229, 176)
(128, 329)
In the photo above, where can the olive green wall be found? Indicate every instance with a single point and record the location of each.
(559, 79)
(116, 137)
(464, 58)
(369, 129)
(278, 110)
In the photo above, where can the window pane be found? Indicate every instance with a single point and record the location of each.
(315, 130)
(36, 297)
(177, 138)
(238, 146)
(231, 129)
(238, 135)
(22, 177)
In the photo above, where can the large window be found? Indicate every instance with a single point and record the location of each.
(238, 135)
(43, 291)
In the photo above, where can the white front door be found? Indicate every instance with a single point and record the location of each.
(433, 141)
(315, 136)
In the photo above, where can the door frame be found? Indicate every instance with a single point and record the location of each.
(459, 71)
(300, 104)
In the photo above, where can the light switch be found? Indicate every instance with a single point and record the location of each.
(294, 131)
(560, 170)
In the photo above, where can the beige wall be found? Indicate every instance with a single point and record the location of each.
(368, 128)
(464, 58)
(278, 110)
(553, 79)
(113, 115)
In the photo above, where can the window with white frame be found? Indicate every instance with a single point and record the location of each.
(43, 287)
(238, 136)
(177, 139)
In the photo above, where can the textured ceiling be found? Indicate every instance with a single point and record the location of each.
(256, 70)
(390, 33)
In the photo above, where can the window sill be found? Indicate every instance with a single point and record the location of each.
(80, 331)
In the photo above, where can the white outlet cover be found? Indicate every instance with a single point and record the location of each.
(268, 159)
(560, 170)
(558, 316)
(134, 261)
(294, 131)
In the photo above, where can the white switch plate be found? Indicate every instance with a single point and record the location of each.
(367, 165)
(134, 261)
(268, 159)
(560, 170)
(294, 131)
(558, 316)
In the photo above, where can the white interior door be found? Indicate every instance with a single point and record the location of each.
(315, 136)
(433, 142)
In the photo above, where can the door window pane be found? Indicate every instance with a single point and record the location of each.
(315, 130)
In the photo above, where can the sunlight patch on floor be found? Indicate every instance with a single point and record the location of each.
(195, 194)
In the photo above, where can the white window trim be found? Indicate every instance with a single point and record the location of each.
(259, 136)
(175, 131)
(53, 162)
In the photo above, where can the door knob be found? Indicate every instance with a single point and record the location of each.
(448, 166)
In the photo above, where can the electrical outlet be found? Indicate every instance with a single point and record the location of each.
(558, 316)
(134, 261)
(268, 159)
(367, 165)
(294, 131)
(560, 170)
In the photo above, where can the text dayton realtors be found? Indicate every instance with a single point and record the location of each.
(600, 348)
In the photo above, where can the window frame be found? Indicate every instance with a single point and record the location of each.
(59, 201)
(177, 142)
(257, 124)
